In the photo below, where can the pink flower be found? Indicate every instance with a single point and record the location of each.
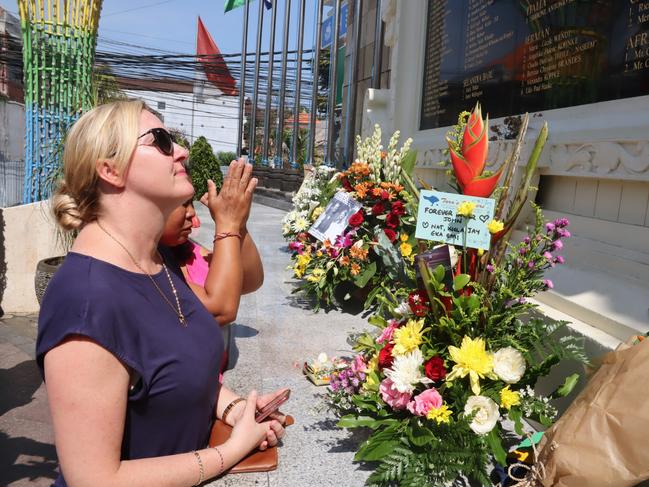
(388, 331)
(358, 365)
(296, 246)
(557, 245)
(424, 402)
(393, 398)
(548, 283)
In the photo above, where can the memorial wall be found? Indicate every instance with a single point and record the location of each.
(528, 56)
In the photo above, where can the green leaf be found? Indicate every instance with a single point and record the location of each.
(378, 445)
(364, 277)
(378, 321)
(408, 162)
(460, 281)
(420, 435)
(438, 273)
(516, 416)
(351, 421)
(493, 440)
(567, 387)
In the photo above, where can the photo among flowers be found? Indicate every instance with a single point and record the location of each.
(335, 218)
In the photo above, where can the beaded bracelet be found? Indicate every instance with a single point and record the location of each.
(222, 235)
(229, 407)
(201, 470)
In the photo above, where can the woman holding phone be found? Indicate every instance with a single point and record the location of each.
(129, 354)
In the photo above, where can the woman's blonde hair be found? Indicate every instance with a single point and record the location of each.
(108, 132)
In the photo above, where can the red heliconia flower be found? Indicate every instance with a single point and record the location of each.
(469, 165)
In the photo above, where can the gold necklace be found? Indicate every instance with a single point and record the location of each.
(177, 309)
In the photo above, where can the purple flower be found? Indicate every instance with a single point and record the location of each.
(547, 255)
(527, 239)
(345, 241)
(523, 250)
(563, 233)
(522, 300)
(557, 245)
(530, 264)
(548, 284)
(490, 268)
(559, 259)
(561, 222)
(550, 227)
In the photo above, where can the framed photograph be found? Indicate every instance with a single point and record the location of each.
(335, 218)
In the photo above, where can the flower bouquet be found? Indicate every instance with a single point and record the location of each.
(449, 364)
(377, 240)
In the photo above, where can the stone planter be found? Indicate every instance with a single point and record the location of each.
(45, 269)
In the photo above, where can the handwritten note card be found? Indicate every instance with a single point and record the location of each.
(437, 219)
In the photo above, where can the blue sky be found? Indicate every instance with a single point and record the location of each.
(170, 25)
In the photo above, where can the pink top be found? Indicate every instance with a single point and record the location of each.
(197, 265)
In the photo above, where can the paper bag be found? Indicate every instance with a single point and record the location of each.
(601, 440)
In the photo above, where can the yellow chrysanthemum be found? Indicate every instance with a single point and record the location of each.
(316, 275)
(300, 265)
(480, 252)
(466, 209)
(408, 337)
(509, 398)
(471, 359)
(373, 364)
(406, 249)
(441, 415)
(404, 237)
(495, 226)
(316, 213)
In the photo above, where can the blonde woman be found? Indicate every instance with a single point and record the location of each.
(129, 355)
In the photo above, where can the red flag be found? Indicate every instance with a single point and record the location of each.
(215, 67)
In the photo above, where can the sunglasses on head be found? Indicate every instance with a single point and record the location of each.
(161, 139)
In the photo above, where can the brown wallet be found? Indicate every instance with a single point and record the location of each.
(256, 461)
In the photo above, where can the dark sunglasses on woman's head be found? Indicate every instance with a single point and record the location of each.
(161, 139)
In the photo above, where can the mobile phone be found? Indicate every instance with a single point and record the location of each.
(272, 406)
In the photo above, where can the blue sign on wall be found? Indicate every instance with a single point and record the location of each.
(328, 27)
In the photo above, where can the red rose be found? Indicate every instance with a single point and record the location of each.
(434, 369)
(418, 302)
(378, 209)
(356, 219)
(385, 195)
(385, 357)
(391, 234)
(392, 220)
(398, 208)
(346, 184)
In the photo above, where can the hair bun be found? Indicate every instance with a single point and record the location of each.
(66, 210)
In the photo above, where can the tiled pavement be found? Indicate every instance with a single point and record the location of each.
(27, 454)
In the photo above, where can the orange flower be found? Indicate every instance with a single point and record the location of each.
(357, 251)
(361, 189)
(344, 261)
(326, 244)
(376, 192)
(356, 269)
(397, 188)
(359, 168)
